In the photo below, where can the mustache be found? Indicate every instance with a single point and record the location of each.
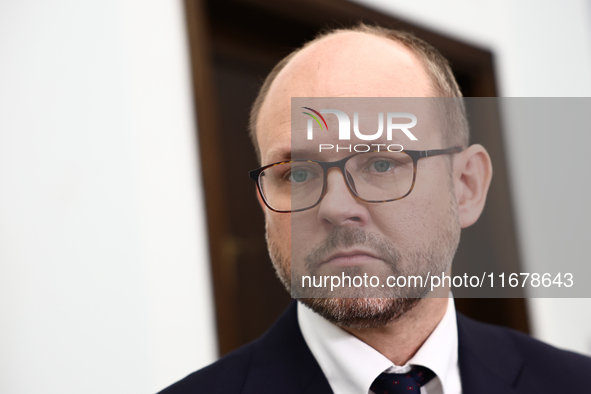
(346, 237)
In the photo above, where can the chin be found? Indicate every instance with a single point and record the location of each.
(361, 313)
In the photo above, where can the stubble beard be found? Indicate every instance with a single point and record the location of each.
(368, 309)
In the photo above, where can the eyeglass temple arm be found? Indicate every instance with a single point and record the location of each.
(437, 152)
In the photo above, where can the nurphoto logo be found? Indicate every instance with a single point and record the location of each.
(345, 129)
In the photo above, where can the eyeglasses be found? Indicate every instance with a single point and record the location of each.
(373, 177)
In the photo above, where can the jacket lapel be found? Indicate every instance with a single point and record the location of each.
(283, 363)
(488, 361)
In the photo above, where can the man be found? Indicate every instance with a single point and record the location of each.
(359, 344)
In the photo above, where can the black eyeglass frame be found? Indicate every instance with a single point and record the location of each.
(415, 155)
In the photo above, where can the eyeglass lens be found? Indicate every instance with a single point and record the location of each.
(372, 176)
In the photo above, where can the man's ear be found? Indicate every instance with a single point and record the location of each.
(472, 176)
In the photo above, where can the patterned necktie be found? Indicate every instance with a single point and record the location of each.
(402, 383)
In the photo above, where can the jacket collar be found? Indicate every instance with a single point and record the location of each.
(488, 360)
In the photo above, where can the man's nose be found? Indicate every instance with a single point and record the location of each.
(340, 207)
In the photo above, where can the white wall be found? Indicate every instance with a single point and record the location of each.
(542, 49)
(104, 281)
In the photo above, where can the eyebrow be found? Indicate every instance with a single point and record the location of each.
(279, 154)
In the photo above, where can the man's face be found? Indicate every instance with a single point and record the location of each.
(417, 234)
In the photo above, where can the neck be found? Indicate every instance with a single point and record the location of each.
(400, 339)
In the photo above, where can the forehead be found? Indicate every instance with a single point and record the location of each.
(342, 65)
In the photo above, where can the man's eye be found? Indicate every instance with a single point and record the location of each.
(381, 166)
(299, 176)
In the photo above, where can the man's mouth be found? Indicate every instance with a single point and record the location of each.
(350, 258)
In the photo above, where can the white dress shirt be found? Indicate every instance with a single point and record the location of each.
(350, 365)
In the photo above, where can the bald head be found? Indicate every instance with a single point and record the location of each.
(354, 64)
(360, 62)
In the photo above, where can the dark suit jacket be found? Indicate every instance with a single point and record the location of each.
(493, 360)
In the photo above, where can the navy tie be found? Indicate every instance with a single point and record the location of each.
(402, 383)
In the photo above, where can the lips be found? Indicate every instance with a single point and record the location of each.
(350, 258)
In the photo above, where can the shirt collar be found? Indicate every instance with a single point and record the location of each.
(350, 365)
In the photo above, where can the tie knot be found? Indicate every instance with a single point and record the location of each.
(399, 383)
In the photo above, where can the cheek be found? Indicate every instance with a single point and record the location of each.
(279, 230)
(305, 234)
(397, 221)
(415, 220)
